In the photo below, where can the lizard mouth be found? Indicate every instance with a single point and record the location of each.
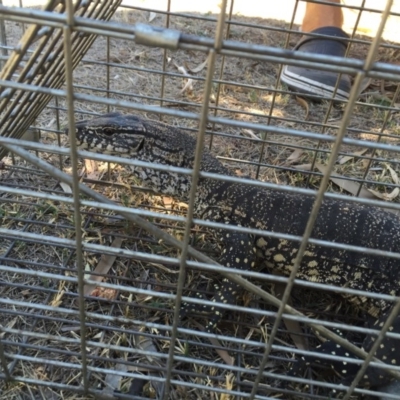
(110, 142)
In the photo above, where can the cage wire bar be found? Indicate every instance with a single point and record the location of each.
(83, 313)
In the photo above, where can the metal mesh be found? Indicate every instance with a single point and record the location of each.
(94, 268)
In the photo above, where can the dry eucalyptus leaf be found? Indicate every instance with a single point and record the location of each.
(386, 196)
(366, 82)
(304, 103)
(293, 327)
(305, 167)
(395, 192)
(197, 69)
(146, 344)
(349, 186)
(249, 133)
(113, 381)
(88, 270)
(152, 16)
(345, 159)
(393, 174)
(222, 353)
(92, 169)
(188, 87)
(295, 156)
(353, 187)
(66, 188)
(181, 69)
(104, 265)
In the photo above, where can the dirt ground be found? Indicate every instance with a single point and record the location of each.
(246, 93)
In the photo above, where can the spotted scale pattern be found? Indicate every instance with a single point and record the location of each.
(253, 207)
(238, 252)
(374, 377)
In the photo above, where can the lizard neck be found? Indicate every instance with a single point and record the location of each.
(175, 184)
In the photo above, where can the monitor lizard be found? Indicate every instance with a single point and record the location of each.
(254, 207)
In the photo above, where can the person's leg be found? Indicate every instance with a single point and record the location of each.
(321, 15)
(323, 20)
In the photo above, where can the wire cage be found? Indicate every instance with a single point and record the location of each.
(94, 267)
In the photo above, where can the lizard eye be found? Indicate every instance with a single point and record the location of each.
(108, 131)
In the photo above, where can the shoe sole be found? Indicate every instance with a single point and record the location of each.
(310, 87)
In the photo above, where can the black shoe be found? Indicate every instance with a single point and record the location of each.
(313, 82)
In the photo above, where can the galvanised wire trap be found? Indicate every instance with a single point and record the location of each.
(95, 267)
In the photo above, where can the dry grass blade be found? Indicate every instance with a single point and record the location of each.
(102, 267)
(188, 87)
(229, 385)
(9, 325)
(57, 300)
(164, 268)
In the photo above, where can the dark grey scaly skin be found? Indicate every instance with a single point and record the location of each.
(388, 352)
(248, 206)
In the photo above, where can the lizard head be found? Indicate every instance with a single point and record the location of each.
(129, 136)
(113, 134)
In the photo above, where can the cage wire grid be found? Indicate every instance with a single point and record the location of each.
(91, 284)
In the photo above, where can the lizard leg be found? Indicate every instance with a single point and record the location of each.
(238, 252)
